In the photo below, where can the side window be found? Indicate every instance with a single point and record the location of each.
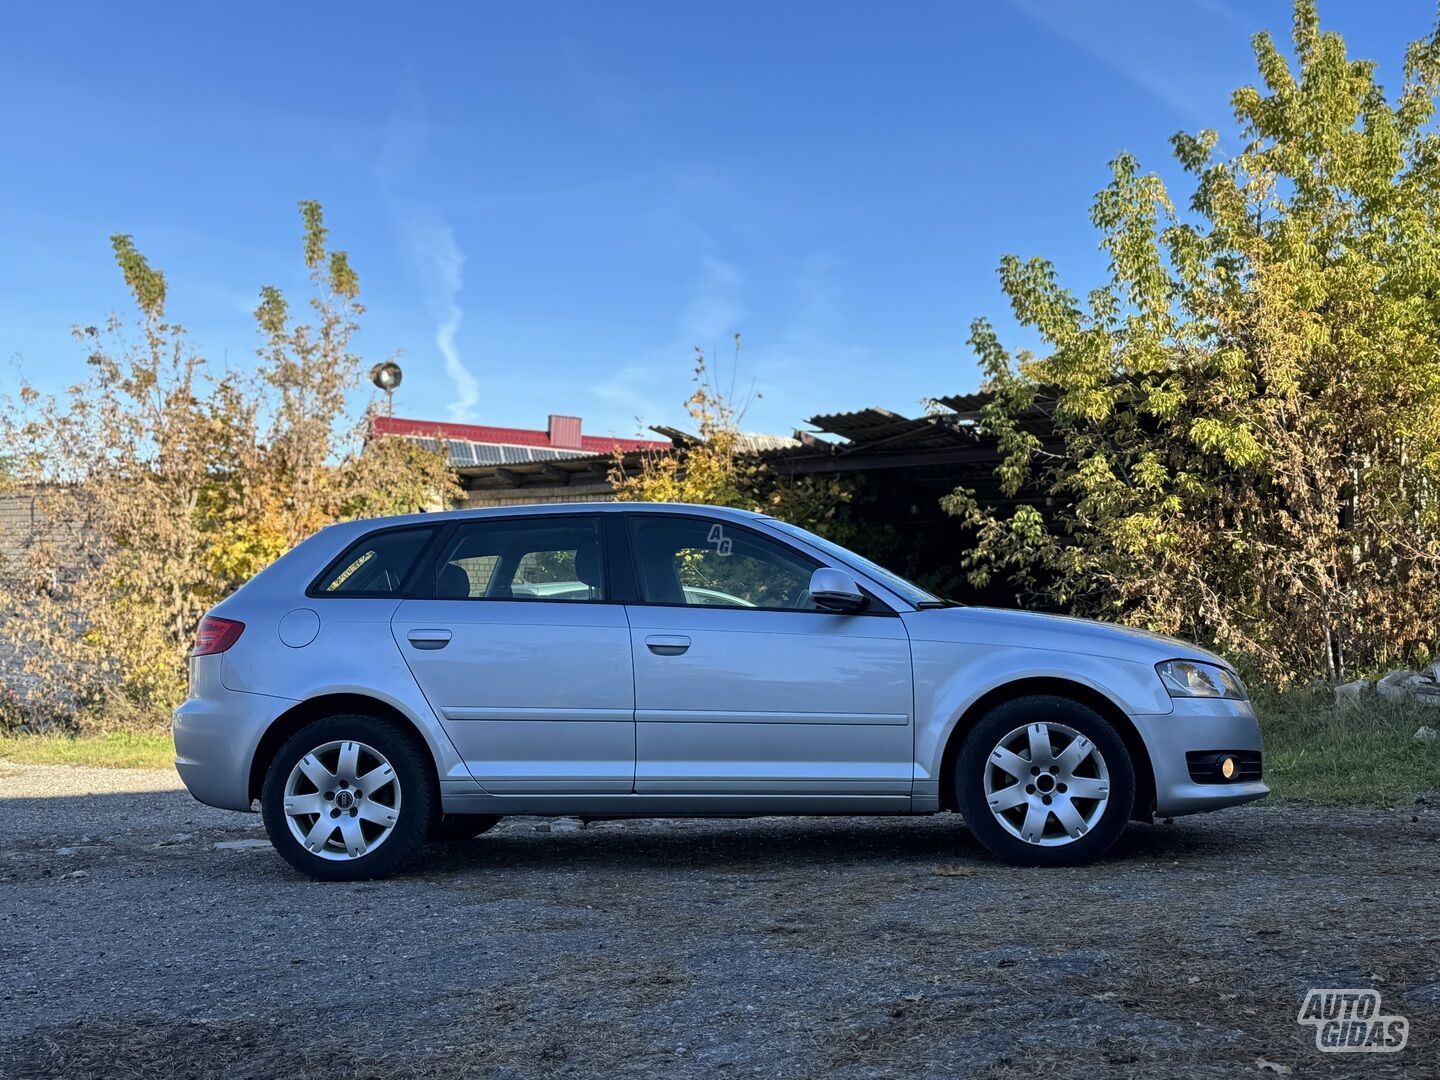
(703, 563)
(375, 565)
(555, 558)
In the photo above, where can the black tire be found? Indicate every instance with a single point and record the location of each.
(975, 756)
(457, 827)
(419, 806)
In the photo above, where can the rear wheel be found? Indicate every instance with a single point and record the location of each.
(1045, 781)
(463, 826)
(348, 798)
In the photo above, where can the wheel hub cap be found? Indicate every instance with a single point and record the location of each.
(1047, 784)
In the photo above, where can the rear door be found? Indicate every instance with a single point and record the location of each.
(742, 686)
(524, 658)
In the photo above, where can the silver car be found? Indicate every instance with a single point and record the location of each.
(419, 677)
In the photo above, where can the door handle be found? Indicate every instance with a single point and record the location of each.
(429, 639)
(667, 644)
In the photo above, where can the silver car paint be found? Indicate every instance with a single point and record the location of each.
(537, 697)
(771, 703)
(767, 711)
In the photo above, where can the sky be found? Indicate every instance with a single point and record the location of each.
(550, 205)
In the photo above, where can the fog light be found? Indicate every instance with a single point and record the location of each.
(1229, 767)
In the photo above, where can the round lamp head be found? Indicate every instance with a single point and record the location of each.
(386, 375)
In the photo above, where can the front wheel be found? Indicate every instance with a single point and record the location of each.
(348, 798)
(1045, 781)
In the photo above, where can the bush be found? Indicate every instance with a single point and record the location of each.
(163, 486)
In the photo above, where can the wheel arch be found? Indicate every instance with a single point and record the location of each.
(1058, 687)
(319, 707)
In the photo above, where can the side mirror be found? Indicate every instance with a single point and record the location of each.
(835, 590)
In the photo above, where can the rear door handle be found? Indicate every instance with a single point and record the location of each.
(429, 639)
(667, 644)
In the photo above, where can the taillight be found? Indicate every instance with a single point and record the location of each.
(215, 635)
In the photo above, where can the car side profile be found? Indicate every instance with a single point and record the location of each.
(403, 679)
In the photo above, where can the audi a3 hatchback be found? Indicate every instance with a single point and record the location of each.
(392, 681)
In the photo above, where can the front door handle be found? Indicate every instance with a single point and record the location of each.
(429, 639)
(667, 644)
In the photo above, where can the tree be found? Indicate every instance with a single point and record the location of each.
(715, 469)
(1246, 415)
(162, 486)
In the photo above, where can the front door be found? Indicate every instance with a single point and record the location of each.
(743, 686)
(522, 658)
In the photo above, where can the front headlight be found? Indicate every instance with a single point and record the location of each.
(1191, 678)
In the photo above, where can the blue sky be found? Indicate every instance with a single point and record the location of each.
(549, 204)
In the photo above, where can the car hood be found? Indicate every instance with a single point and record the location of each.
(1031, 630)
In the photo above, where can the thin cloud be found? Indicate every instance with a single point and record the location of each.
(715, 311)
(428, 241)
(1097, 40)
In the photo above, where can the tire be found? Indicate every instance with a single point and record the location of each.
(405, 797)
(1074, 829)
(457, 827)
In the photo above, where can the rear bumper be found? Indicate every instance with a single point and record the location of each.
(1197, 725)
(216, 733)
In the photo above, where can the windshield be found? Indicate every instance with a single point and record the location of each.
(906, 590)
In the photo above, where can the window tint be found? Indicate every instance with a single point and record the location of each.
(522, 559)
(375, 565)
(893, 581)
(703, 563)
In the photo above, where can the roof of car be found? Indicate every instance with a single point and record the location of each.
(531, 509)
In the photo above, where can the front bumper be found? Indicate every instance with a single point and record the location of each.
(1198, 724)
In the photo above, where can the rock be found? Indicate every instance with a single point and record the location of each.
(1425, 692)
(1392, 686)
(1349, 695)
(1427, 734)
(1272, 1066)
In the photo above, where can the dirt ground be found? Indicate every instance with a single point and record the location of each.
(142, 934)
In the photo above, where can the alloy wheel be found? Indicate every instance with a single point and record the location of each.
(1047, 784)
(342, 800)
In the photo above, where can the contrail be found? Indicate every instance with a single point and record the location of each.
(429, 243)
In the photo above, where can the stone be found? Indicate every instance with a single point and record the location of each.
(1349, 695)
(1426, 733)
(1392, 686)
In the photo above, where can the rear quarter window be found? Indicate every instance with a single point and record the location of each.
(374, 565)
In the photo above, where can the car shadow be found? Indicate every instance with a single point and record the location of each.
(752, 844)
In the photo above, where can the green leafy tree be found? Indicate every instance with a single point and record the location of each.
(1245, 418)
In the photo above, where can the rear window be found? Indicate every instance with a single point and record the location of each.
(375, 565)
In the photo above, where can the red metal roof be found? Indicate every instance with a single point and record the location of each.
(503, 436)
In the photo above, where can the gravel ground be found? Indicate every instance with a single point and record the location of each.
(142, 934)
